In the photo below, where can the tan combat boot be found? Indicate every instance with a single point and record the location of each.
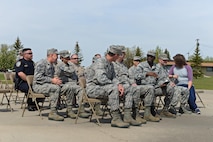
(128, 118)
(83, 113)
(54, 116)
(70, 112)
(166, 113)
(137, 117)
(98, 110)
(116, 120)
(149, 117)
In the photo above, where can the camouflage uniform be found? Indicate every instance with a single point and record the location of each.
(69, 87)
(121, 72)
(140, 76)
(44, 72)
(180, 93)
(146, 91)
(102, 83)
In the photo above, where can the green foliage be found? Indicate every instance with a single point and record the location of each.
(167, 53)
(7, 57)
(17, 45)
(130, 53)
(196, 63)
(207, 59)
(77, 51)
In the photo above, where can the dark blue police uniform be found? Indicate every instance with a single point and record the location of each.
(27, 67)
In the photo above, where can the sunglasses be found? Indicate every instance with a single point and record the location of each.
(75, 58)
(29, 53)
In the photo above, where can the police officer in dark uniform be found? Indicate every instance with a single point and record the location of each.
(24, 67)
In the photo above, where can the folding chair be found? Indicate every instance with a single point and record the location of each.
(32, 95)
(4, 90)
(9, 79)
(86, 99)
(197, 93)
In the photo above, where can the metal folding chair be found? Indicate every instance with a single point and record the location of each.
(32, 95)
(200, 100)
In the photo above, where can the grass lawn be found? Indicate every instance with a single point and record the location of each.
(204, 83)
(200, 83)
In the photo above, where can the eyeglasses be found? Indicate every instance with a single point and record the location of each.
(75, 58)
(150, 56)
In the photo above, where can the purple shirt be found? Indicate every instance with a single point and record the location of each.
(183, 76)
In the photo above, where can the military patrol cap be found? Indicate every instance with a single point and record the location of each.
(52, 51)
(64, 53)
(122, 48)
(163, 56)
(137, 58)
(151, 53)
(115, 49)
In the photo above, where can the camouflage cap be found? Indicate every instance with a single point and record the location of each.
(115, 49)
(52, 51)
(122, 48)
(151, 53)
(163, 56)
(64, 53)
(137, 58)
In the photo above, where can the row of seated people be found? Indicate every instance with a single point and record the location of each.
(106, 77)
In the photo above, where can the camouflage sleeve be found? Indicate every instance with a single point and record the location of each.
(100, 73)
(131, 73)
(162, 75)
(140, 74)
(39, 74)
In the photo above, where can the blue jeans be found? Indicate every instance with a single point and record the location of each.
(192, 97)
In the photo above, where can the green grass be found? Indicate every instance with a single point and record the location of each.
(204, 83)
(200, 83)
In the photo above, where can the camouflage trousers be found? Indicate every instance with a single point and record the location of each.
(181, 94)
(145, 92)
(129, 91)
(167, 91)
(71, 90)
(102, 91)
(49, 90)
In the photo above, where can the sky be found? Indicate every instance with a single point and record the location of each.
(96, 24)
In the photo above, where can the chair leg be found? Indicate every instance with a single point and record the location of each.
(25, 104)
(39, 110)
(200, 99)
(93, 113)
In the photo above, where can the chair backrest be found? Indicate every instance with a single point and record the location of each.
(29, 79)
(82, 82)
(8, 82)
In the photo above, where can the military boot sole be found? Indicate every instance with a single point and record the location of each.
(152, 120)
(55, 119)
(121, 126)
(84, 115)
(168, 115)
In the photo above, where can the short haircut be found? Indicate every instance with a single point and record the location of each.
(25, 49)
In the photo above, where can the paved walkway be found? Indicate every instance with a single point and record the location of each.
(31, 128)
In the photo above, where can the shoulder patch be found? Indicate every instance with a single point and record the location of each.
(18, 64)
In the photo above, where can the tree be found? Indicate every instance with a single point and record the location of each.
(208, 59)
(130, 53)
(129, 57)
(17, 45)
(7, 57)
(167, 53)
(196, 61)
(158, 51)
(77, 51)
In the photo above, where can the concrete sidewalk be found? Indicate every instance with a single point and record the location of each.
(31, 128)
